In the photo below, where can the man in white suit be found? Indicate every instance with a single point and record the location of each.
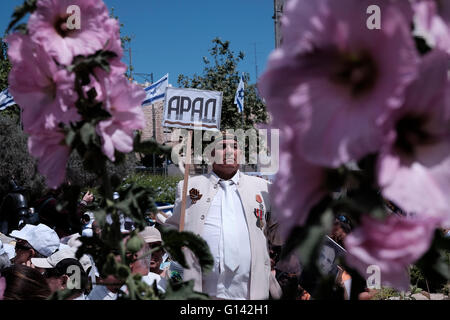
(232, 212)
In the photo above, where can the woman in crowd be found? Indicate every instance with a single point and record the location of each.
(24, 283)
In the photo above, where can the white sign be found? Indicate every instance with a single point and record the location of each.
(192, 109)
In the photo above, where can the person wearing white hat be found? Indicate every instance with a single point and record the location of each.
(64, 271)
(34, 241)
(148, 266)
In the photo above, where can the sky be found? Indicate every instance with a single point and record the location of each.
(172, 36)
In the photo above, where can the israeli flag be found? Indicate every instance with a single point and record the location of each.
(6, 100)
(157, 91)
(239, 97)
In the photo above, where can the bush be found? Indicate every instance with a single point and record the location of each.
(165, 187)
(15, 161)
(78, 175)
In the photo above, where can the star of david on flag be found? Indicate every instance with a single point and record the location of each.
(156, 91)
(239, 97)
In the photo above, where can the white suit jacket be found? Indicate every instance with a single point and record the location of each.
(250, 189)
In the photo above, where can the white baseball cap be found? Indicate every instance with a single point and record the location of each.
(43, 239)
(22, 233)
(150, 234)
(54, 259)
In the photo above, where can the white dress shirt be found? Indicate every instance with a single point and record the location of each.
(221, 282)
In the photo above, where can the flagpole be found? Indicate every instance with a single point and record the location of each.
(187, 168)
(154, 130)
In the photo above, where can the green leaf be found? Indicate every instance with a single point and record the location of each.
(174, 241)
(70, 137)
(134, 244)
(434, 264)
(183, 291)
(61, 294)
(150, 146)
(21, 11)
(87, 133)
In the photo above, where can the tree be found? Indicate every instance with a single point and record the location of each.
(13, 143)
(5, 65)
(223, 75)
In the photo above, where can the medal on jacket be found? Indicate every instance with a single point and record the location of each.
(195, 195)
(259, 213)
(260, 218)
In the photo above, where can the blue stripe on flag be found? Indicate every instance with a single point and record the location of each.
(156, 84)
(6, 104)
(240, 105)
(154, 98)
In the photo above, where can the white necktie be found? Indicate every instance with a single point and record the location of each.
(231, 249)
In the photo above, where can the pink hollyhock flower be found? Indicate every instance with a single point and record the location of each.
(123, 100)
(432, 22)
(299, 185)
(48, 26)
(50, 148)
(43, 91)
(347, 77)
(391, 244)
(414, 164)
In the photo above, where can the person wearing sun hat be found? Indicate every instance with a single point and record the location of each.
(63, 271)
(34, 242)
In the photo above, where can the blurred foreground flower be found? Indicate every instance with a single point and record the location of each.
(415, 159)
(364, 115)
(298, 187)
(64, 78)
(2, 287)
(432, 22)
(336, 79)
(391, 244)
(48, 26)
(123, 101)
(44, 91)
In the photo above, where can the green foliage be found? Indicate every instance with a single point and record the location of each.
(78, 175)
(183, 291)
(110, 248)
(223, 75)
(21, 11)
(174, 241)
(165, 187)
(416, 277)
(434, 264)
(385, 293)
(5, 65)
(150, 146)
(14, 151)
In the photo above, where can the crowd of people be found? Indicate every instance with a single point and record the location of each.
(230, 210)
(38, 261)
